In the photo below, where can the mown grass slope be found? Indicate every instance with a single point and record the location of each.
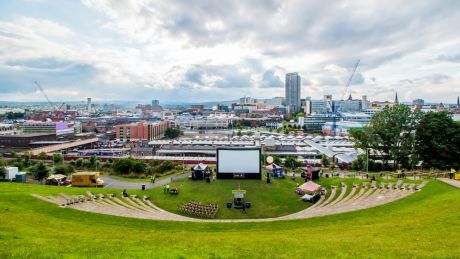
(426, 224)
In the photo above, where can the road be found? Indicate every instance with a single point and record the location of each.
(110, 182)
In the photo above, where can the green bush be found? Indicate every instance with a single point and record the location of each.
(64, 169)
(165, 166)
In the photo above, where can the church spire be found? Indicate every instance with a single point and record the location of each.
(396, 98)
(349, 97)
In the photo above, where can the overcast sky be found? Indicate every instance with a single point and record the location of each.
(196, 50)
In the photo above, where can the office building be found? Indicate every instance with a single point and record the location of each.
(418, 102)
(142, 130)
(292, 92)
(88, 108)
(244, 100)
(347, 105)
(365, 103)
(56, 128)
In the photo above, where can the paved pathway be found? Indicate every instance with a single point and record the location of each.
(110, 182)
(455, 183)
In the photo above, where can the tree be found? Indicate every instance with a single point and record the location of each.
(166, 166)
(58, 158)
(391, 131)
(86, 164)
(325, 161)
(93, 160)
(359, 163)
(26, 157)
(172, 133)
(2, 172)
(42, 156)
(292, 162)
(79, 162)
(437, 141)
(64, 169)
(277, 160)
(154, 162)
(139, 166)
(40, 171)
(122, 166)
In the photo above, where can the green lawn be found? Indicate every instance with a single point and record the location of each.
(426, 224)
(142, 180)
(267, 200)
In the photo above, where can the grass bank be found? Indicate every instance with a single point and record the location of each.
(425, 224)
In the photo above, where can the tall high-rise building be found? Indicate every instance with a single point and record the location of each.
(419, 102)
(292, 91)
(364, 102)
(88, 108)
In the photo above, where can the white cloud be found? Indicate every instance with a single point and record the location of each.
(147, 48)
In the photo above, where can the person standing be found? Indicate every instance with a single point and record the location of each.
(153, 178)
(244, 208)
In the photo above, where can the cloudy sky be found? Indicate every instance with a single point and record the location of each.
(196, 50)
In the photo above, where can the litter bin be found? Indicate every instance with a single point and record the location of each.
(268, 180)
(248, 205)
(229, 205)
(143, 187)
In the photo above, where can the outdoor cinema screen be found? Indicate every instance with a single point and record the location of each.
(238, 161)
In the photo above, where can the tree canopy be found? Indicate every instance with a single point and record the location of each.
(391, 132)
(172, 133)
(437, 141)
(407, 136)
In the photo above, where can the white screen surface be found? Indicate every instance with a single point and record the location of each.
(239, 161)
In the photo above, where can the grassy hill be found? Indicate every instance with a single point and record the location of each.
(425, 224)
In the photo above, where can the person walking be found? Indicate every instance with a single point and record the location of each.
(244, 208)
(153, 178)
(164, 189)
(452, 173)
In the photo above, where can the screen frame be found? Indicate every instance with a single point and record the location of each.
(228, 175)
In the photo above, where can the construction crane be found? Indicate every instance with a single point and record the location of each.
(349, 79)
(43, 92)
(60, 106)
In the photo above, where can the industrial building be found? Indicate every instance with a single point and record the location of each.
(304, 148)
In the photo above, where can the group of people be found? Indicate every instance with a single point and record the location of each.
(195, 208)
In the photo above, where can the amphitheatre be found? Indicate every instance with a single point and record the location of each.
(360, 197)
(389, 218)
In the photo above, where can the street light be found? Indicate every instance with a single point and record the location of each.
(367, 160)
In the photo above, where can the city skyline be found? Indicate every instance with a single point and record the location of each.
(211, 51)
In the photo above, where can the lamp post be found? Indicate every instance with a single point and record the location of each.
(367, 160)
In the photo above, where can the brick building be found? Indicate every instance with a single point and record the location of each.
(142, 130)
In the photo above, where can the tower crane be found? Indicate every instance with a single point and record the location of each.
(349, 79)
(43, 92)
(51, 104)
